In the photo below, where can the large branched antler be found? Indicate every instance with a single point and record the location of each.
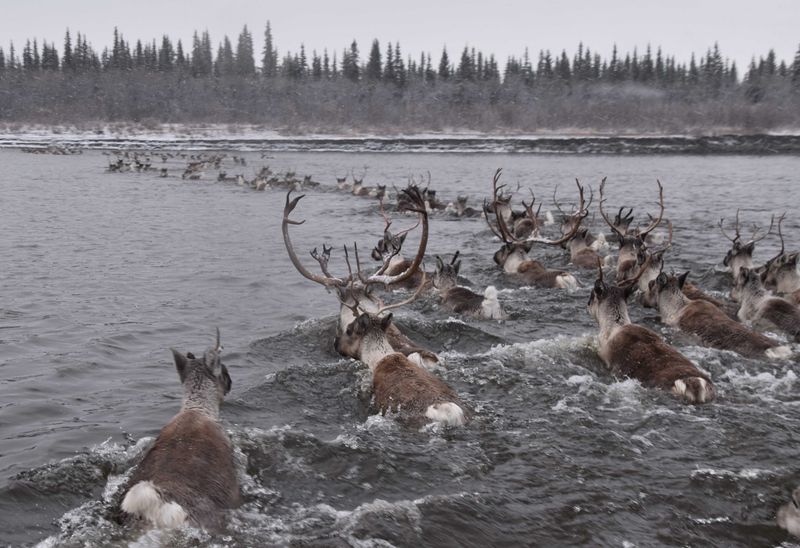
(325, 280)
(780, 235)
(417, 205)
(657, 220)
(578, 216)
(738, 236)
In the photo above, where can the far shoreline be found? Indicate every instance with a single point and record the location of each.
(246, 137)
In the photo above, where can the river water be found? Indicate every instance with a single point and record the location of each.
(102, 273)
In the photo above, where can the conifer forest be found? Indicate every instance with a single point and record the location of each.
(382, 87)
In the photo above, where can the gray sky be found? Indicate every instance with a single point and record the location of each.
(503, 27)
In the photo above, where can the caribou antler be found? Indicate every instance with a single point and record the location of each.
(326, 280)
(754, 239)
(384, 307)
(780, 235)
(579, 215)
(417, 206)
(624, 219)
(738, 234)
(654, 221)
(619, 233)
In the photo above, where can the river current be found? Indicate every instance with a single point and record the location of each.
(103, 272)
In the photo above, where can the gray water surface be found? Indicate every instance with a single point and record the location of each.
(103, 273)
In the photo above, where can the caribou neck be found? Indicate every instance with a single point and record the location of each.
(514, 260)
(670, 306)
(201, 395)
(374, 348)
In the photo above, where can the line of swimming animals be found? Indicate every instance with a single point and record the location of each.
(162, 493)
(197, 165)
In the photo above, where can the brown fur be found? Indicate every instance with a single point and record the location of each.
(462, 300)
(585, 258)
(399, 384)
(696, 294)
(785, 315)
(639, 353)
(535, 273)
(401, 343)
(717, 330)
(409, 283)
(191, 463)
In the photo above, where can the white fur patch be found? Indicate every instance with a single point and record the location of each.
(567, 281)
(789, 519)
(779, 353)
(448, 414)
(680, 390)
(600, 243)
(142, 500)
(490, 307)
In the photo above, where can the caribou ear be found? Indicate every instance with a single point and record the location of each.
(600, 288)
(457, 266)
(682, 279)
(661, 280)
(403, 239)
(439, 264)
(363, 322)
(181, 362)
(749, 248)
(386, 321)
(792, 259)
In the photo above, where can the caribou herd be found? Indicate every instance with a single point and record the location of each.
(403, 372)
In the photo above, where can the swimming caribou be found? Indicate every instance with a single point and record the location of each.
(630, 242)
(355, 289)
(710, 325)
(780, 272)
(759, 306)
(188, 475)
(631, 350)
(513, 256)
(741, 255)
(463, 300)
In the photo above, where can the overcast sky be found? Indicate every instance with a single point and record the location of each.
(504, 27)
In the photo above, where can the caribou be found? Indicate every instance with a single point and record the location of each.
(759, 307)
(630, 350)
(463, 300)
(389, 250)
(780, 272)
(513, 256)
(399, 385)
(459, 208)
(630, 243)
(355, 289)
(741, 255)
(188, 476)
(710, 325)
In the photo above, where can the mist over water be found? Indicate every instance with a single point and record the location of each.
(103, 273)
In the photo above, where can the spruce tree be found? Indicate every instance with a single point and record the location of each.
(444, 65)
(350, 63)
(373, 70)
(389, 74)
(269, 60)
(68, 64)
(245, 63)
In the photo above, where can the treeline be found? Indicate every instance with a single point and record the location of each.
(385, 89)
